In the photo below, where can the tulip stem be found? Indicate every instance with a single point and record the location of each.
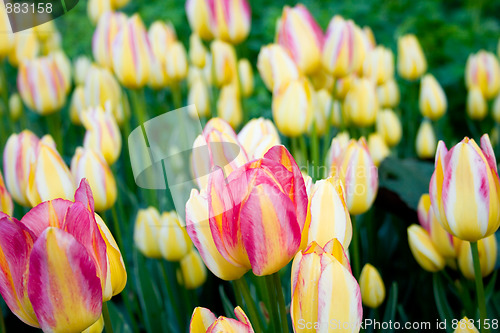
(355, 247)
(241, 288)
(315, 163)
(170, 293)
(281, 301)
(108, 327)
(116, 225)
(54, 126)
(274, 315)
(5, 96)
(303, 148)
(479, 285)
(176, 94)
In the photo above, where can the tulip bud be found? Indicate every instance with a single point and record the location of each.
(53, 43)
(477, 108)
(322, 108)
(411, 59)
(229, 105)
(89, 164)
(117, 4)
(371, 286)
(361, 103)
(199, 96)
(426, 140)
(96, 8)
(80, 69)
(77, 105)
(432, 99)
(26, 47)
(64, 65)
(378, 148)
(388, 94)
(162, 36)
(342, 86)
(369, 38)
(465, 326)
(6, 35)
(276, 67)
(232, 20)
(203, 320)
(102, 134)
(293, 107)
(423, 249)
(224, 63)
(176, 62)
(173, 239)
(246, 77)
(487, 248)
(197, 51)
(6, 204)
(106, 30)
(389, 127)
(423, 208)
(97, 327)
(445, 243)
(483, 71)
(132, 54)
(258, 136)
(193, 270)
(147, 225)
(378, 65)
(199, 14)
(300, 34)
(15, 107)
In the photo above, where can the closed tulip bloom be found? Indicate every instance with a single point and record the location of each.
(176, 62)
(245, 73)
(324, 289)
(172, 237)
(352, 163)
(432, 99)
(411, 59)
(15, 107)
(378, 148)
(477, 108)
(200, 17)
(64, 65)
(341, 51)
(89, 164)
(258, 136)
(95, 9)
(496, 109)
(388, 94)
(77, 105)
(323, 104)
(96, 327)
(117, 4)
(488, 252)
(197, 51)
(107, 27)
(131, 54)
(147, 226)
(483, 71)
(231, 20)
(361, 103)
(41, 85)
(276, 67)
(102, 134)
(193, 271)
(389, 127)
(199, 96)
(426, 140)
(343, 85)
(80, 69)
(445, 243)
(26, 47)
(162, 36)
(293, 107)
(369, 38)
(465, 326)
(224, 63)
(423, 250)
(300, 34)
(464, 189)
(229, 105)
(6, 37)
(6, 204)
(372, 287)
(423, 208)
(158, 78)
(378, 65)
(204, 321)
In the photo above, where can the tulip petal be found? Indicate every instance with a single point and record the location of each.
(47, 214)
(488, 151)
(84, 195)
(201, 320)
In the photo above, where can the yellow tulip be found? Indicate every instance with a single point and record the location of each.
(95, 9)
(389, 127)
(107, 28)
(147, 226)
(117, 4)
(361, 103)
(231, 20)
(26, 47)
(483, 71)
(96, 327)
(432, 99)
(371, 286)
(477, 108)
(172, 237)
(200, 18)
(423, 250)
(411, 59)
(193, 270)
(224, 63)
(426, 140)
(378, 65)
(81, 67)
(378, 148)
(245, 73)
(15, 107)
(77, 105)
(62, 62)
(229, 105)
(176, 62)
(199, 96)
(197, 51)
(465, 326)
(488, 252)
(322, 108)
(6, 35)
(388, 94)
(6, 204)
(258, 136)
(276, 67)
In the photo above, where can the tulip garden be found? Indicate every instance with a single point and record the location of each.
(250, 166)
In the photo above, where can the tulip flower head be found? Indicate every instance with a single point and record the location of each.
(372, 287)
(199, 96)
(389, 127)
(411, 59)
(432, 99)
(388, 94)
(80, 69)
(378, 65)
(6, 204)
(107, 27)
(423, 250)
(96, 8)
(6, 37)
(197, 51)
(147, 226)
(245, 73)
(200, 17)
(173, 239)
(465, 326)
(176, 62)
(224, 63)
(193, 272)
(378, 148)
(477, 107)
(231, 20)
(258, 136)
(204, 321)
(488, 253)
(426, 140)
(361, 103)
(26, 47)
(483, 71)
(276, 66)
(229, 105)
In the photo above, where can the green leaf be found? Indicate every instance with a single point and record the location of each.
(490, 288)
(392, 303)
(226, 303)
(118, 320)
(443, 307)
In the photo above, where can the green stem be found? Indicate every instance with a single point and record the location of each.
(479, 284)
(315, 163)
(170, 293)
(355, 247)
(5, 97)
(176, 94)
(273, 310)
(139, 105)
(241, 288)
(303, 148)
(281, 302)
(107, 319)
(54, 126)
(116, 225)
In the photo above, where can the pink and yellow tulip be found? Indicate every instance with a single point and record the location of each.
(258, 136)
(231, 20)
(204, 321)
(483, 71)
(276, 67)
(6, 204)
(107, 28)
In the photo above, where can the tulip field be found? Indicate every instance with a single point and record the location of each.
(249, 166)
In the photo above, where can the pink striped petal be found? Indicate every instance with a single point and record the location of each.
(47, 214)
(488, 152)
(201, 320)
(84, 195)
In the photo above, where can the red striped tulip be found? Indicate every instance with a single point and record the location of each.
(6, 205)
(107, 28)
(354, 166)
(411, 59)
(483, 71)
(488, 253)
(258, 136)
(300, 34)
(200, 17)
(132, 54)
(231, 20)
(229, 105)
(6, 37)
(204, 321)
(361, 103)
(172, 237)
(378, 65)
(224, 63)
(276, 67)
(426, 140)
(26, 47)
(324, 291)
(465, 188)
(193, 271)
(432, 99)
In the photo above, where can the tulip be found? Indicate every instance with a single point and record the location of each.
(324, 290)
(193, 271)
(147, 226)
(6, 205)
(197, 51)
(379, 65)
(276, 67)
(321, 80)
(342, 86)
(423, 250)
(80, 69)
(496, 109)
(300, 34)
(173, 239)
(200, 17)
(102, 134)
(388, 94)
(96, 8)
(378, 148)
(445, 243)
(45, 30)
(470, 173)
(258, 136)
(483, 71)
(323, 104)
(176, 62)
(342, 49)
(162, 36)
(361, 103)
(487, 248)
(52, 43)
(131, 54)
(477, 108)
(231, 20)
(245, 73)
(199, 96)
(6, 37)
(26, 47)
(224, 63)
(229, 105)
(423, 208)
(64, 65)
(352, 163)
(41, 85)
(293, 107)
(389, 127)
(465, 326)
(426, 140)
(15, 107)
(329, 215)
(369, 38)
(432, 99)
(107, 28)
(204, 321)
(77, 105)
(158, 78)
(87, 163)
(372, 287)
(411, 59)
(96, 327)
